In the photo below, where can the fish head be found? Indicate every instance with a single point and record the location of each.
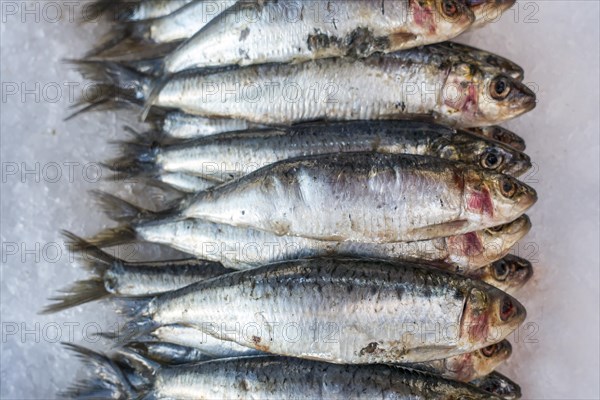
(488, 154)
(487, 11)
(473, 96)
(474, 250)
(501, 135)
(493, 198)
(468, 366)
(500, 385)
(489, 315)
(508, 274)
(439, 19)
(503, 98)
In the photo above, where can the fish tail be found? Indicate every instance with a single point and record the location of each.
(93, 259)
(120, 210)
(107, 238)
(108, 380)
(138, 158)
(114, 85)
(80, 292)
(118, 35)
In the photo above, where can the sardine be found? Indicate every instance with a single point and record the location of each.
(241, 248)
(262, 377)
(464, 367)
(299, 31)
(178, 125)
(508, 274)
(362, 197)
(502, 135)
(227, 156)
(391, 86)
(340, 310)
(499, 385)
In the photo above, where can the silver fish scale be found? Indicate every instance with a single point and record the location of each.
(346, 312)
(373, 197)
(239, 36)
(323, 89)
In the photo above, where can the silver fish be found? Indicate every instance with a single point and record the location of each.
(364, 197)
(391, 86)
(227, 156)
(499, 385)
(360, 311)
(464, 367)
(261, 377)
(246, 248)
(299, 31)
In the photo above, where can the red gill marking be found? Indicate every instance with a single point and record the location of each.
(481, 202)
(424, 16)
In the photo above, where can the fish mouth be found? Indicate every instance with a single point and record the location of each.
(518, 227)
(518, 167)
(523, 270)
(522, 98)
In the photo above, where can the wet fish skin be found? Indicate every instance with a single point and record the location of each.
(501, 135)
(262, 377)
(187, 336)
(378, 294)
(476, 103)
(499, 385)
(318, 30)
(507, 274)
(376, 198)
(178, 125)
(174, 354)
(142, 10)
(223, 157)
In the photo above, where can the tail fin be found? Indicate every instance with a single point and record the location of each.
(108, 381)
(120, 210)
(107, 238)
(84, 291)
(115, 85)
(138, 158)
(80, 292)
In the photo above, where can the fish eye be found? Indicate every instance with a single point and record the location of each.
(500, 88)
(507, 309)
(449, 8)
(501, 270)
(508, 187)
(491, 160)
(490, 350)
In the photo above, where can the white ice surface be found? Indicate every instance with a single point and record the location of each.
(555, 356)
